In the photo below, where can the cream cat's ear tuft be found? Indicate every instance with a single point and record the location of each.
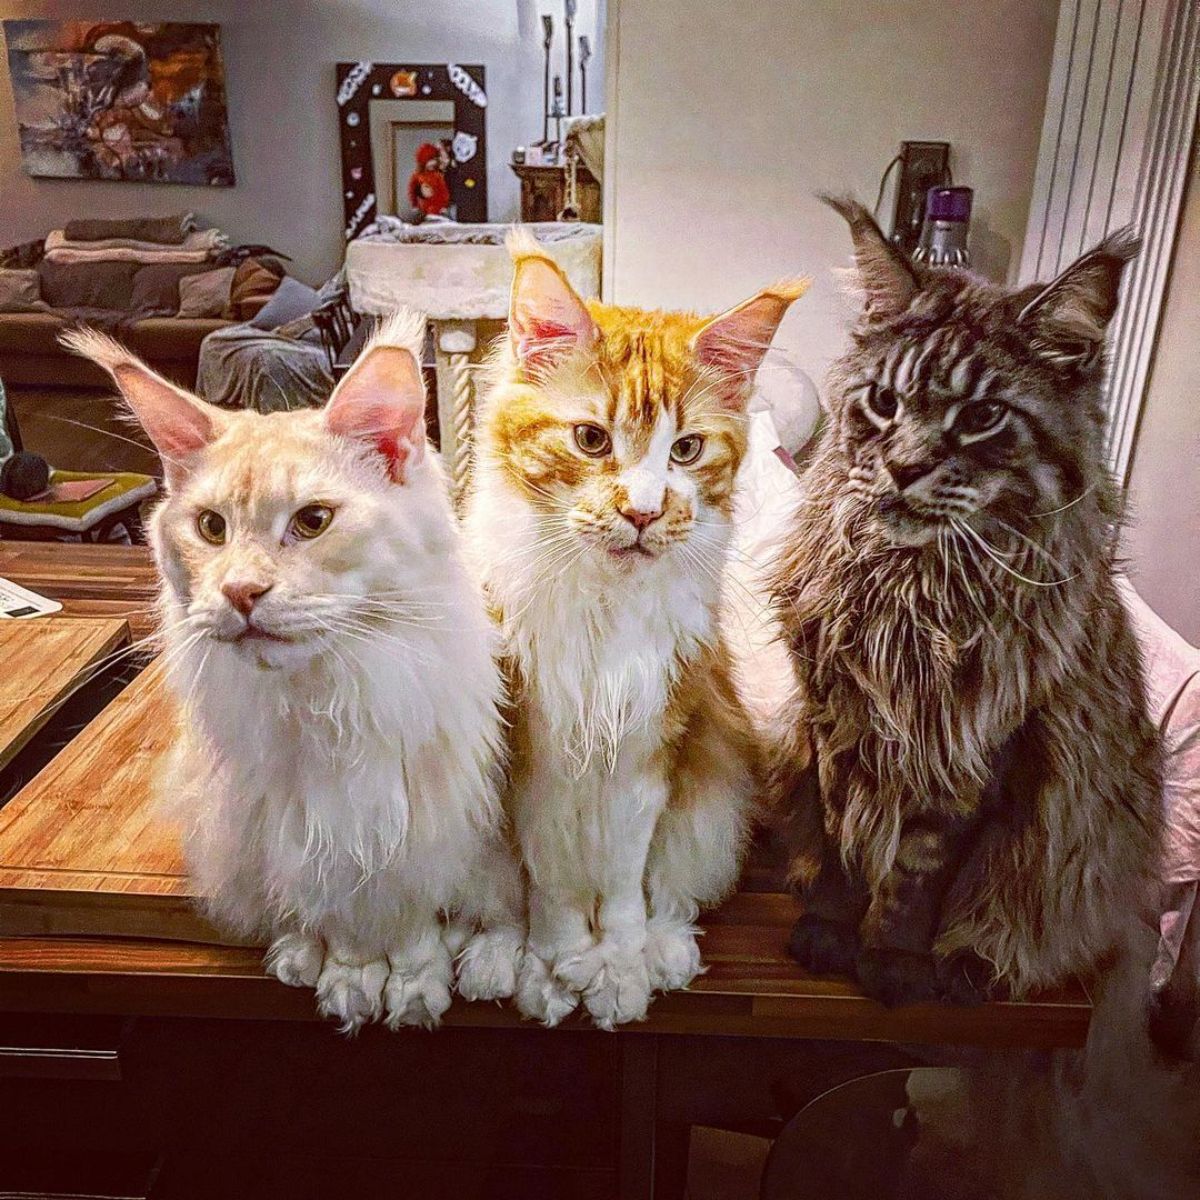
(179, 424)
(546, 317)
(735, 341)
(381, 399)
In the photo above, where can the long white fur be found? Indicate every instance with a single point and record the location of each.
(340, 801)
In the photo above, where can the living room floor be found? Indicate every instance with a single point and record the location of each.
(78, 429)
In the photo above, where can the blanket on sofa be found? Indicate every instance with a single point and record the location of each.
(245, 367)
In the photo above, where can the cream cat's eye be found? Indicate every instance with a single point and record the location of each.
(687, 449)
(592, 440)
(211, 527)
(311, 521)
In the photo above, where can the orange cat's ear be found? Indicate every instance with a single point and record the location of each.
(734, 342)
(179, 424)
(381, 399)
(546, 317)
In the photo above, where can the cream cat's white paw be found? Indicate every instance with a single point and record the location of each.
(295, 959)
(416, 992)
(672, 955)
(351, 993)
(613, 979)
(488, 964)
(540, 994)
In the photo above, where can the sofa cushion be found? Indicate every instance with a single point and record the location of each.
(20, 291)
(290, 300)
(170, 337)
(206, 294)
(156, 286)
(253, 285)
(88, 285)
(31, 333)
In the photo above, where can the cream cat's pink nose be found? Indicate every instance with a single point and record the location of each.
(243, 596)
(639, 518)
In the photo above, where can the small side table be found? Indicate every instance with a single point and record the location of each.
(544, 193)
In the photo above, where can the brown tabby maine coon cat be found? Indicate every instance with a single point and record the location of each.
(989, 783)
(608, 448)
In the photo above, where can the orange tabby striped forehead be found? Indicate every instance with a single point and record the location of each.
(629, 424)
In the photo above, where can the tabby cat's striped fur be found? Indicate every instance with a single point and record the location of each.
(989, 790)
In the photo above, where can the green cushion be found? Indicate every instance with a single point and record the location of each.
(125, 490)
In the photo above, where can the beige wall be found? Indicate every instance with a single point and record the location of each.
(1163, 539)
(728, 117)
(279, 61)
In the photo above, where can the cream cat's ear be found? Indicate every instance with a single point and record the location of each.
(179, 424)
(381, 399)
(546, 317)
(735, 341)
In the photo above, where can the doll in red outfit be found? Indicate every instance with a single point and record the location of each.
(427, 187)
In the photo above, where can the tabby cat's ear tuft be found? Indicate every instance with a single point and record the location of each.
(546, 318)
(381, 399)
(735, 341)
(1068, 318)
(179, 424)
(886, 278)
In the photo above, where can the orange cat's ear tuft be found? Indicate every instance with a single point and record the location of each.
(179, 424)
(381, 399)
(735, 341)
(546, 318)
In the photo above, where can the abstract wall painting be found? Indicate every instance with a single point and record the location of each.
(121, 100)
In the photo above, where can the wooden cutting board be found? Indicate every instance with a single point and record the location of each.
(84, 848)
(44, 658)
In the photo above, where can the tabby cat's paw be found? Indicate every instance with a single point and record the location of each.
(296, 959)
(417, 993)
(966, 979)
(614, 980)
(352, 994)
(488, 964)
(824, 947)
(896, 977)
(672, 956)
(540, 995)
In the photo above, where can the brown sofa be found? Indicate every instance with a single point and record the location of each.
(31, 357)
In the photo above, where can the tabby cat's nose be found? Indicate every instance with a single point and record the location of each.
(904, 475)
(243, 596)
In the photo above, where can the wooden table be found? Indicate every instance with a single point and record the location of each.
(43, 659)
(91, 581)
(97, 921)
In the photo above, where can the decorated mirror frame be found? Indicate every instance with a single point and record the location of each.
(359, 83)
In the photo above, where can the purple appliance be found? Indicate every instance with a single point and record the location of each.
(947, 221)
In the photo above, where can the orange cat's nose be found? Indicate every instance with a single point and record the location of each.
(640, 518)
(243, 596)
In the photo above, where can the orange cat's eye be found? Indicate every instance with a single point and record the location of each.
(687, 449)
(311, 521)
(211, 527)
(592, 440)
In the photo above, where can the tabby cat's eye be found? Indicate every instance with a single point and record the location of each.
(882, 402)
(211, 527)
(977, 420)
(687, 449)
(312, 520)
(592, 440)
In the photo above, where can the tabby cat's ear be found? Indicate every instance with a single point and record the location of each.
(381, 399)
(179, 424)
(735, 341)
(546, 318)
(885, 276)
(1067, 318)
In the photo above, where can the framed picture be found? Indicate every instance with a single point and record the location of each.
(413, 137)
(121, 100)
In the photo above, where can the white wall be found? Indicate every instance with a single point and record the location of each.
(726, 118)
(279, 62)
(1163, 539)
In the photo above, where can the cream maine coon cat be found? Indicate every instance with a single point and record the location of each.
(334, 661)
(601, 516)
